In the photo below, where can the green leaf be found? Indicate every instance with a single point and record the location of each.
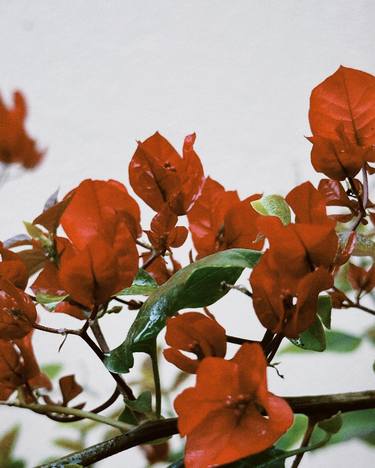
(341, 342)
(143, 403)
(294, 434)
(273, 205)
(312, 339)
(143, 284)
(16, 464)
(264, 459)
(128, 417)
(355, 425)
(331, 425)
(52, 370)
(336, 342)
(49, 302)
(197, 285)
(324, 310)
(34, 231)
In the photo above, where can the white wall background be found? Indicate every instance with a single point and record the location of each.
(99, 75)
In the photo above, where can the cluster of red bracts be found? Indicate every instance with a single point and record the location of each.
(96, 254)
(18, 365)
(16, 146)
(297, 266)
(230, 396)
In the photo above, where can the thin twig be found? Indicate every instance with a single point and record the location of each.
(155, 371)
(98, 409)
(47, 409)
(150, 260)
(239, 341)
(123, 387)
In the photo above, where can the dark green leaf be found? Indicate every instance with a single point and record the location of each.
(143, 284)
(196, 285)
(324, 310)
(313, 339)
(128, 417)
(16, 464)
(49, 302)
(331, 425)
(143, 403)
(52, 370)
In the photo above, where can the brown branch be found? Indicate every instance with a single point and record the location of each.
(318, 407)
(122, 385)
(239, 341)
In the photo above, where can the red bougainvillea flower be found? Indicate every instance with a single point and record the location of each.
(195, 333)
(335, 195)
(220, 221)
(297, 267)
(309, 205)
(19, 369)
(15, 144)
(164, 233)
(93, 207)
(361, 279)
(159, 175)
(297, 249)
(102, 222)
(338, 158)
(13, 268)
(342, 115)
(17, 312)
(48, 283)
(103, 267)
(234, 415)
(283, 305)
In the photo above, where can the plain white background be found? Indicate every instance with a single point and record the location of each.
(99, 75)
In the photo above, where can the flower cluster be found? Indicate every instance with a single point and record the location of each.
(91, 247)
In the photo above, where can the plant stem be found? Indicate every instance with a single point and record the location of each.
(123, 387)
(237, 340)
(155, 254)
(46, 409)
(322, 407)
(155, 371)
(98, 409)
(305, 442)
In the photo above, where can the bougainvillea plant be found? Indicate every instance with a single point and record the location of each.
(89, 256)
